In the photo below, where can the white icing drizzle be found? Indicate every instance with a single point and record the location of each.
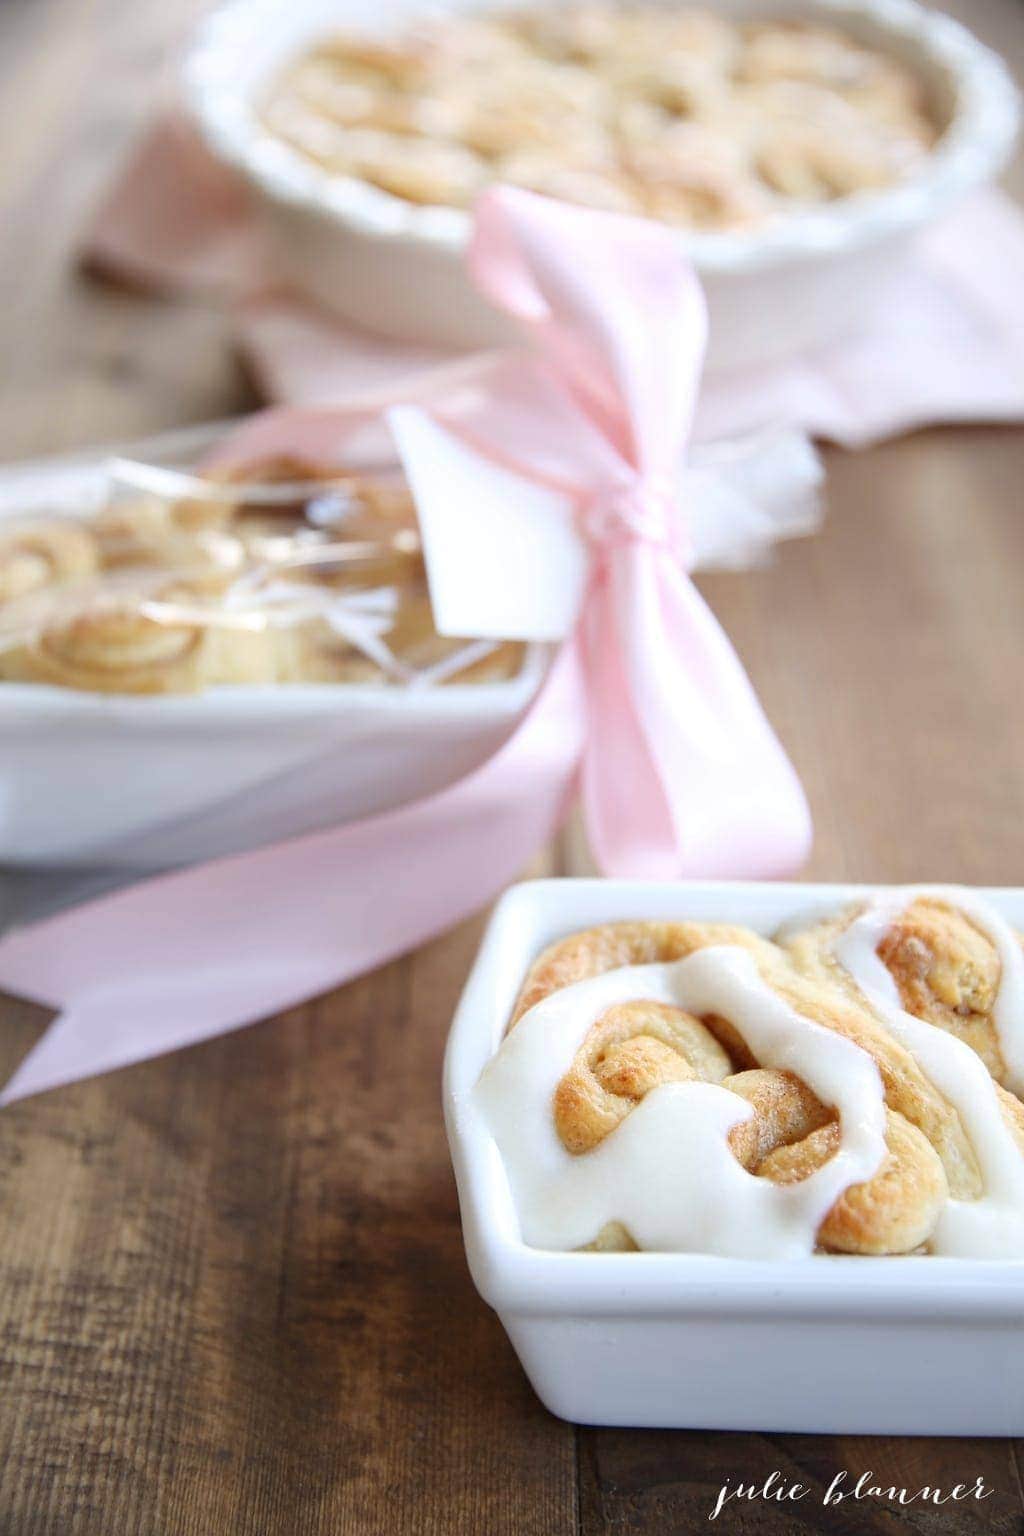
(993, 1225)
(667, 1172)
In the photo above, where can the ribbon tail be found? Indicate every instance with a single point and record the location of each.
(683, 775)
(188, 956)
(79, 1043)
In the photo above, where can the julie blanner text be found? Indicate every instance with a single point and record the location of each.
(845, 1486)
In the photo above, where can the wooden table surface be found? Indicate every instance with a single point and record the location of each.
(233, 1297)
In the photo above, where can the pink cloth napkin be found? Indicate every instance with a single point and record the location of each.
(948, 346)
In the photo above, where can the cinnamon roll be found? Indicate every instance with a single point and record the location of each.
(146, 527)
(699, 1087)
(169, 643)
(944, 964)
(878, 89)
(150, 533)
(278, 571)
(317, 521)
(585, 102)
(42, 553)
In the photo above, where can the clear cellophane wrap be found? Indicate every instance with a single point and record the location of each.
(144, 577)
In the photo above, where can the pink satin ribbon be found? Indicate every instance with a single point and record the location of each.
(681, 774)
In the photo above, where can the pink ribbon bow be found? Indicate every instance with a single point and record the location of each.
(680, 771)
(681, 774)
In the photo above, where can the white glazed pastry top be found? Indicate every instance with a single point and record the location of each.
(667, 1172)
(993, 1225)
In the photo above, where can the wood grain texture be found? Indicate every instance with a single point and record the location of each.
(85, 362)
(234, 1297)
(233, 1300)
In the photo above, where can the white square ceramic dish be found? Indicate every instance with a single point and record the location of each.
(833, 1345)
(101, 779)
(397, 268)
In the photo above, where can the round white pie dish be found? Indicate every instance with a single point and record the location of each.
(899, 1346)
(396, 268)
(109, 780)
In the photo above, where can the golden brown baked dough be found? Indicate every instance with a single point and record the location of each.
(946, 969)
(144, 648)
(111, 650)
(139, 531)
(636, 1046)
(895, 1212)
(42, 553)
(163, 596)
(416, 644)
(677, 113)
(629, 1051)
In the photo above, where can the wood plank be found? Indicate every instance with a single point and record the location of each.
(233, 1295)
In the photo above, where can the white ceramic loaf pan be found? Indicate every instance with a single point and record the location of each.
(93, 779)
(396, 268)
(894, 1346)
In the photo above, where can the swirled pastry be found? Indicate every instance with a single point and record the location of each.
(233, 513)
(943, 963)
(681, 114)
(280, 572)
(165, 644)
(696, 1086)
(43, 553)
(141, 531)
